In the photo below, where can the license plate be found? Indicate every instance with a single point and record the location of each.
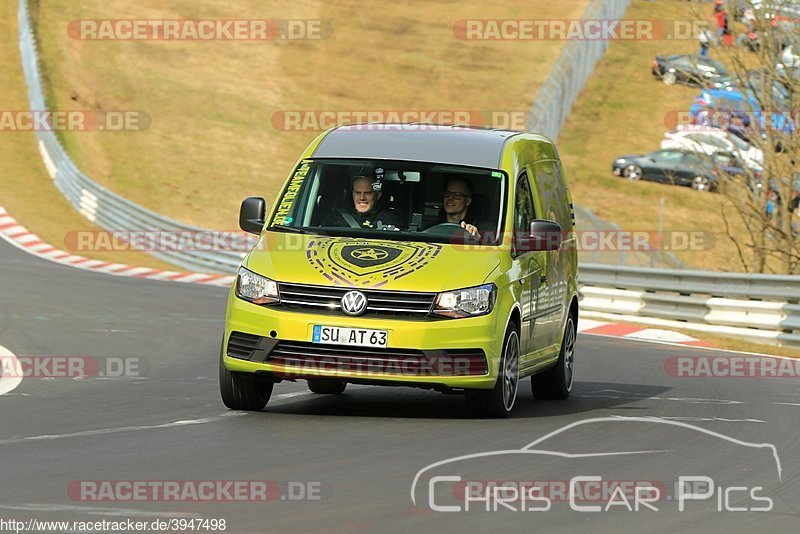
(360, 337)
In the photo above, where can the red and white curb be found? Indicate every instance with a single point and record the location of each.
(20, 237)
(641, 333)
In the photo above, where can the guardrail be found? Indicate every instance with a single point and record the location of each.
(758, 306)
(105, 208)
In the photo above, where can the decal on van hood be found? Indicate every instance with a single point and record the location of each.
(364, 263)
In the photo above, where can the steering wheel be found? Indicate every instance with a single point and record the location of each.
(446, 228)
(348, 218)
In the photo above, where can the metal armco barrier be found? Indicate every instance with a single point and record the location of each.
(105, 208)
(758, 306)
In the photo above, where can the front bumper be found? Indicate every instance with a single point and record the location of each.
(270, 326)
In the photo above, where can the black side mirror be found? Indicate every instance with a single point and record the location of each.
(252, 214)
(545, 235)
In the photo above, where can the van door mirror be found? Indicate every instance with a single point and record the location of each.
(545, 235)
(252, 214)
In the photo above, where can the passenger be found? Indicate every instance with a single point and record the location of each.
(457, 199)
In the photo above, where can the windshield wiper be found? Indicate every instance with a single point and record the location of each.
(288, 229)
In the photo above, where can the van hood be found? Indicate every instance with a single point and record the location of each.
(372, 263)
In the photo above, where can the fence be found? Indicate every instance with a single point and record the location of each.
(570, 72)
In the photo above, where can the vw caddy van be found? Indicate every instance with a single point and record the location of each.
(472, 306)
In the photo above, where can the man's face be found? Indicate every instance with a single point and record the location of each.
(364, 197)
(455, 198)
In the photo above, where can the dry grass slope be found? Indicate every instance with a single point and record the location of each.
(211, 141)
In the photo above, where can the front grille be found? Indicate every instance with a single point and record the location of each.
(314, 357)
(324, 298)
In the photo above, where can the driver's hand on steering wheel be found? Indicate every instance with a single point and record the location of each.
(471, 229)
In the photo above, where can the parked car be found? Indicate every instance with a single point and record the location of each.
(677, 167)
(737, 112)
(709, 140)
(689, 69)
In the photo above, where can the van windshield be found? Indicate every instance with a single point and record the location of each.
(395, 200)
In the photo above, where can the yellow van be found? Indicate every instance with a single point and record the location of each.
(409, 255)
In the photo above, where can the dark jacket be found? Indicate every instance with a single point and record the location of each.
(371, 219)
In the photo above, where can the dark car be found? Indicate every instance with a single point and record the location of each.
(691, 70)
(678, 167)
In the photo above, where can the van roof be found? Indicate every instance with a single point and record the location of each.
(456, 145)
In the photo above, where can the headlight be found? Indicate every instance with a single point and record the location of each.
(469, 302)
(256, 288)
(620, 161)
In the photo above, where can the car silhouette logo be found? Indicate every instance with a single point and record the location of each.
(369, 254)
(354, 303)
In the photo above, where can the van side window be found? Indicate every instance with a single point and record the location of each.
(523, 209)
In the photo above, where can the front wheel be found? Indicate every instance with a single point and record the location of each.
(243, 391)
(669, 78)
(499, 401)
(556, 382)
(701, 183)
(632, 172)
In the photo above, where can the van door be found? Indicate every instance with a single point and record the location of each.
(552, 204)
(528, 268)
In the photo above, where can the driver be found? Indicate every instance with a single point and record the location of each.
(363, 213)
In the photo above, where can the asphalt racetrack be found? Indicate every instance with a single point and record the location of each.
(373, 459)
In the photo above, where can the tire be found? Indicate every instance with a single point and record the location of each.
(556, 382)
(669, 78)
(327, 386)
(243, 391)
(701, 183)
(499, 401)
(632, 172)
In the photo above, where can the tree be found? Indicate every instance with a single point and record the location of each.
(760, 106)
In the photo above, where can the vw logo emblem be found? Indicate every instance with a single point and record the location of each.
(354, 303)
